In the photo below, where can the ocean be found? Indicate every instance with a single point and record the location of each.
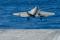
(9, 21)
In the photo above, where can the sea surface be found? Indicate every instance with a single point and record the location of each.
(9, 21)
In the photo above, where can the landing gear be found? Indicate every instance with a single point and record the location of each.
(41, 19)
(28, 18)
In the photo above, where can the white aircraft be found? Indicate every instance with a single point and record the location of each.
(35, 12)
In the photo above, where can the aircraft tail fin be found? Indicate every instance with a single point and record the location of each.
(33, 11)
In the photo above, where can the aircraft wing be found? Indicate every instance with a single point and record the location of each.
(43, 13)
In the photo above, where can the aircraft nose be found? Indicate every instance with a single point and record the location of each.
(15, 14)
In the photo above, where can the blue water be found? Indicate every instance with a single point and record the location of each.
(8, 21)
